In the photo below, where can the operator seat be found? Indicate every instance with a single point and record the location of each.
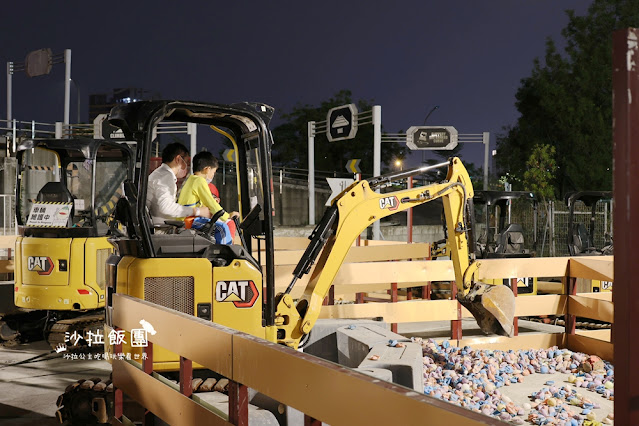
(581, 240)
(511, 240)
(56, 192)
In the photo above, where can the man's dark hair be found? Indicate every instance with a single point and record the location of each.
(204, 159)
(171, 150)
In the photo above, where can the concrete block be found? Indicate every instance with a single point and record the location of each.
(257, 416)
(356, 345)
(378, 373)
(322, 342)
(355, 341)
(406, 363)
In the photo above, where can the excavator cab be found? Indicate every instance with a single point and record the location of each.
(499, 237)
(66, 192)
(583, 239)
(231, 285)
(588, 230)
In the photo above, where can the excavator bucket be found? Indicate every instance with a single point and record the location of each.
(493, 306)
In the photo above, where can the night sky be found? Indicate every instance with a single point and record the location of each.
(466, 56)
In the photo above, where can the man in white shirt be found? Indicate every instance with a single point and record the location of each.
(162, 189)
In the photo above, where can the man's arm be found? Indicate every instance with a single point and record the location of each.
(165, 204)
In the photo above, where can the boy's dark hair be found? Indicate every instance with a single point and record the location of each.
(204, 159)
(171, 150)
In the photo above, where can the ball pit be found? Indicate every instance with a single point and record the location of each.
(477, 379)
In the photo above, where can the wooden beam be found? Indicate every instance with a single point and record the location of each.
(549, 304)
(590, 346)
(595, 268)
(179, 332)
(524, 341)
(408, 311)
(328, 392)
(363, 254)
(377, 273)
(588, 307)
(8, 241)
(604, 335)
(525, 267)
(7, 267)
(163, 401)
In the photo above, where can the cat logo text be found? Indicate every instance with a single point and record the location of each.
(41, 264)
(243, 294)
(390, 203)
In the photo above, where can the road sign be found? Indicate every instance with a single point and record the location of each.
(431, 137)
(229, 154)
(38, 62)
(102, 129)
(337, 186)
(341, 122)
(352, 166)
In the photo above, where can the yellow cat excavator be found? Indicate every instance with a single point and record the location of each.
(226, 284)
(66, 191)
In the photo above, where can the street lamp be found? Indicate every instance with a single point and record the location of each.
(398, 164)
(430, 112)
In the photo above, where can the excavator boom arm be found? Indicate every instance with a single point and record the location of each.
(358, 207)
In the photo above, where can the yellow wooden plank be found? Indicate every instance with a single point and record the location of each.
(525, 341)
(604, 335)
(525, 267)
(550, 287)
(179, 332)
(7, 266)
(329, 392)
(408, 311)
(591, 267)
(377, 273)
(601, 295)
(381, 242)
(8, 241)
(588, 345)
(362, 254)
(166, 403)
(550, 304)
(589, 307)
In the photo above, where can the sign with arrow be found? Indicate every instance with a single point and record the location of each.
(229, 155)
(352, 166)
(341, 123)
(431, 137)
(337, 185)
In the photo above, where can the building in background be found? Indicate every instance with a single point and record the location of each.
(101, 103)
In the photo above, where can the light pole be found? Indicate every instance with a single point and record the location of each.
(425, 119)
(77, 90)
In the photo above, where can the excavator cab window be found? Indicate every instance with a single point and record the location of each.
(85, 175)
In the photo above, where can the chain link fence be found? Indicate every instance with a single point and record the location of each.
(552, 221)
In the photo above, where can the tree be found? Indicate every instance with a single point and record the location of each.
(566, 102)
(291, 148)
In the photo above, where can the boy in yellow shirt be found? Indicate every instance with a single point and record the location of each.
(196, 192)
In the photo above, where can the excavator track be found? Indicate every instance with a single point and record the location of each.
(61, 331)
(86, 402)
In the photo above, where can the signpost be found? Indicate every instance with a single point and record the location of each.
(342, 123)
(431, 137)
(337, 186)
(352, 166)
(229, 155)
